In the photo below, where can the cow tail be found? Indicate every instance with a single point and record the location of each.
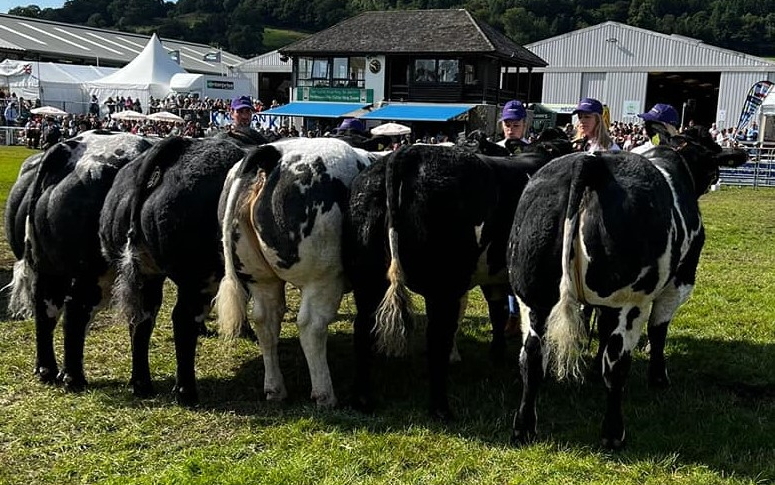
(394, 314)
(21, 301)
(153, 162)
(232, 297)
(565, 328)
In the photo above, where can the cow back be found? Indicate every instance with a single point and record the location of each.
(68, 193)
(167, 200)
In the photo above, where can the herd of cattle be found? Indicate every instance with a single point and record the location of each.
(108, 217)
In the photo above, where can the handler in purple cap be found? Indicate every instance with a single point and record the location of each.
(591, 132)
(241, 116)
(663, 114)
(513, 124)
(354, 132)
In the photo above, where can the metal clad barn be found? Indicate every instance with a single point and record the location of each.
(630, 69)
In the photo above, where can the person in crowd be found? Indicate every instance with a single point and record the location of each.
(50, 133)
(94, 105)
(11, 113)
(513, 124)
(241, 116)
(354, 132)
(32, 133)
(591, 130)
(661, 113)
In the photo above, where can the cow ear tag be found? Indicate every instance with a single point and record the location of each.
(655, 140)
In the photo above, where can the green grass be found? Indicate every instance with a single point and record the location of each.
(276, 38)
(715, 425)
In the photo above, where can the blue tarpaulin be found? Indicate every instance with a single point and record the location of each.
(318, 110)
(416, 112)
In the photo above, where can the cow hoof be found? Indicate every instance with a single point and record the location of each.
(142, 389)
(46, 375)
(185, 396)
(443, 415)
(613, 444)
(521, 437)
(325, 400)
(275, 395)
(658, 380)
(613, 439)
(363, 404)
(71, 382)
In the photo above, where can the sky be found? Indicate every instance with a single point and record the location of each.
(6, 5)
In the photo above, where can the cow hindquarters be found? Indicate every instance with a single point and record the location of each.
(617, 358)
(320, 301)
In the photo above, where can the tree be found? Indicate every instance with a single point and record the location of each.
(32, 11)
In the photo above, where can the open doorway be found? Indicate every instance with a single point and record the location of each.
(693, 94)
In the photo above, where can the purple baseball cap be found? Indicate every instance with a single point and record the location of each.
(241, 102)
(589, 105)
(663, 113)
(353, 124)
(513, 110)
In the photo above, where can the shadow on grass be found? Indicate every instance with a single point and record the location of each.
(720, 410)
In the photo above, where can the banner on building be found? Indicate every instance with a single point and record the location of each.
(753, 100)
(213, 56)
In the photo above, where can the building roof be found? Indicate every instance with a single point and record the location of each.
(30, 38)
(638, 49)
(413, 32)
(269, 62)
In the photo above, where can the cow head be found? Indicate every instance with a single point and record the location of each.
(703, 156)
(477, 142)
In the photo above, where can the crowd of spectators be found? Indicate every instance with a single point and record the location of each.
(38, 131)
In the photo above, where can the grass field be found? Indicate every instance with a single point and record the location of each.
(715, 425)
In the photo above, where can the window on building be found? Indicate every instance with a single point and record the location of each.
(331, 72)
(436, 70)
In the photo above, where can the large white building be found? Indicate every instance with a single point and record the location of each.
(630, 69)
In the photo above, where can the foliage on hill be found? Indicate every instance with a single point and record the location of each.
(238, 25)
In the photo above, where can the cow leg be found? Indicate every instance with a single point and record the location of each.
(268, 310)
(498, 309)
(140, 330)
(443, 315)
(617, 359)
(319, 303)
(190, 312)
(606, 324)
(86, 298)
(49, 294)
(532, 364)
(366, 301)
(662, 311)
(454, 355)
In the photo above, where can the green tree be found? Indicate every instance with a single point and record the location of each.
(32, 11)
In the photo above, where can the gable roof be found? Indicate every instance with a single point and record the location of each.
(414, 32)
(639, 49)
(56, 41)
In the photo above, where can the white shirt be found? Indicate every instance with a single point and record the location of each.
(640, 149)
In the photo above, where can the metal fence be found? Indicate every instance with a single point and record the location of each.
(759, 171)
(11, 135)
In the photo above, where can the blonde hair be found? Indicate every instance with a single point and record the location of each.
(600, 134)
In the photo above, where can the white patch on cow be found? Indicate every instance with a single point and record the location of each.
(52, 310)
(97, 150)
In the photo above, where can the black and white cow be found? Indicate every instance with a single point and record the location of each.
(161, 221)
(51, 221)
(283, 207)
(619, 232)
(440, 218)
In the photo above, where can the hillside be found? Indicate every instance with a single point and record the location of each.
(249, 27)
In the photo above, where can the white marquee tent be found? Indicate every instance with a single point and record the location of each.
(147, 75)
(59, 85)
